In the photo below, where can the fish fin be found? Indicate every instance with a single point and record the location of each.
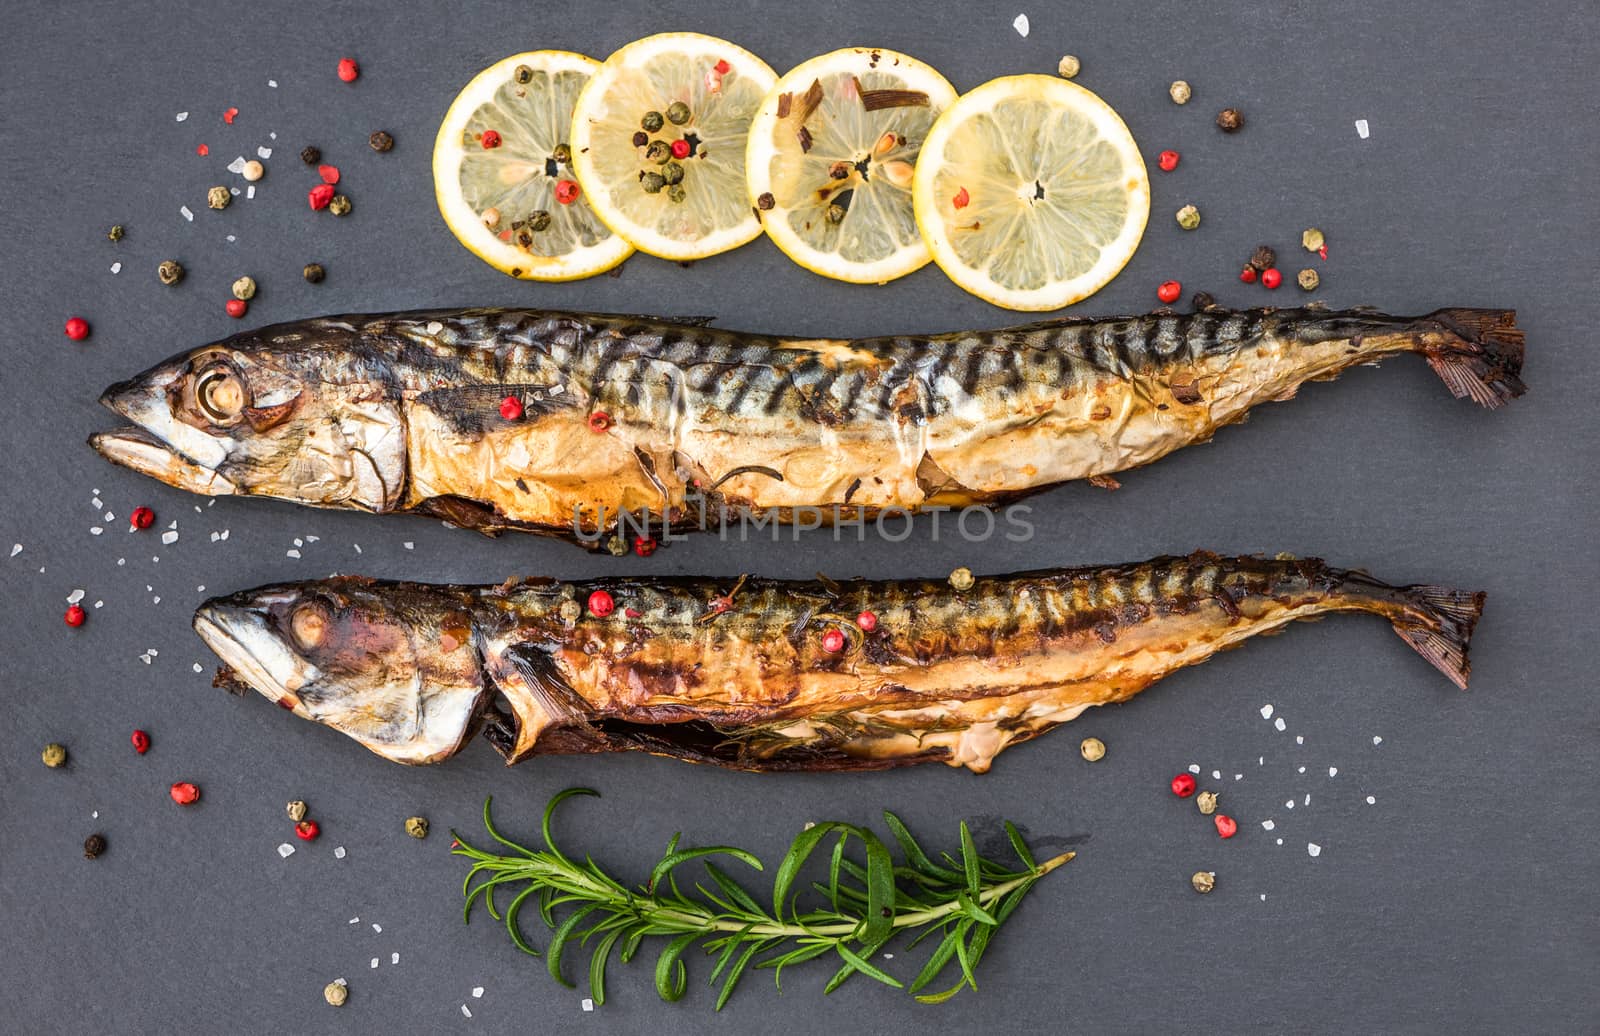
(549, 688)
(1444, 629)
(1483, 361)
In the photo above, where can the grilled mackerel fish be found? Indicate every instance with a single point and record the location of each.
(690, 424)
(743, 674)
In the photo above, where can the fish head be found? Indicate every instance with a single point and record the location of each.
(282, 412)
(394, 665)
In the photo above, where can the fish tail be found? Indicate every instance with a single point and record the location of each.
(1478, 354)
(1437, 622)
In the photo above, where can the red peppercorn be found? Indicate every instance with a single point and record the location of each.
(75, 615)
(1227, 827)
(722, 67)
(1167, 160)
(599, 421)
(1271, 278)
(329, 173)
(1183, 785)
(490, 140)
(141, 518)
(307, 830)
(348, 69)
(680, 149)
(961, 199)
(1323, 251)
(601, 604)
(568, 191)
(141, 742)
(867, 621)
(185, 794)
(833, 641)
(202, 151)
(320, 196)
(1169, 291)
(1248, 275)
(645, 546)
(719, 605)
(77, 329)
(237, 308)
(511, 408)
(229, 115)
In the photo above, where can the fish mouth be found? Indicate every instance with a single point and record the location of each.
(241, 638)
(139, 450)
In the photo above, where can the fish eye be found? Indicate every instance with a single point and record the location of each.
(221, 394)
(309, 624)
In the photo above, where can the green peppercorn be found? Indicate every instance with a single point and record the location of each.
(1206, 802)
(1308, 279)
(677, 113)
(54, 755)
(676, 194)
(659, 152)
(569, 611)
(617, 545)
(652, 182)
(244, 289)
(835, 214)
(417, 827)
(1179, 92)
(523, 74)
(1188, 217)
(218, 198)
(1312, 240)
(296, 810)
(672, 172)
(539, 219)
(310, 155)
(93, 846)
(381, 141)
(170, 272)
(562, 154)
(313, 273)
(1203, 881)
(340, 205)
(961, 578)
(115, 233)
(1092, 749)
(651, 122)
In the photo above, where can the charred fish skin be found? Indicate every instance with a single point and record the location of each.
(738, 673)
(690, 424)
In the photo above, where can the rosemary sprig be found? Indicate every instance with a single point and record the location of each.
(960, 901)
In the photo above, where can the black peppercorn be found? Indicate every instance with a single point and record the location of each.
(314, 273)
(839, 170)
(523, 73)
(1263, 258)
(766, 201)
(1203, 300)
(93, 846)
(310, 155)
(562, 154)
(1229, 120)
(380, 141)
(640, 138)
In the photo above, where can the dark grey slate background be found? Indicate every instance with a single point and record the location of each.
(1462, 900)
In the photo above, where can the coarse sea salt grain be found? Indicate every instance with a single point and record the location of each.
(170, 537)
(1307, 802)
(1288, 804)
(1333, 771)
(1020, 23)
(75, 596)
(181, 116)
(1266, 712)
(250, 192)
(1267, 825)
(409, 545)
(1216, 775)
(338, 852)
(199, 668)
(355, 920)
(272, 83)
(1194, 767)
(588, 1005)
(376, 927)
(186, 213)
(1377, 740)
(291, 553)
(374, 962)
(477, 991)
(231, 238)
(16, 548)
(1302, 769)
(95, 530)
(1314, 849)
(465, 1012)
(1361, 131)
(1280, 724)
(237, 165)
(116, 267)
(1299, 739)
(1371, 800)
(394, 958)
(264, 152)
(285, 850)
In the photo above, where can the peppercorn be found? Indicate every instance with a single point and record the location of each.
(490, 140)
(1271, 278)
(1183, 785)
(381, 141)
(1179, 92)
(569, 611)
(868, 621)
(348, 69)
(1168, 161)
(244, 289)
(961, 578)
(75, 615)
(1188, 217)
(1263, 257)
(1203, 881)
(1312, 240)
(617, 546)
(310, 155)
(644, 546)
(676, 194)
(184, 793)
(568, 191)
(833, 641)
(640, 138)
(54, 755)
(835, 214)
(140, 741)
(1092, 749)
(253, 171)
(511, 409)
(1169, 291)
(1068, 67)
(1229, 120)
(296, 810)
(1202, 300)
(93, 846)
(115, 233)
(76, 328)
(335, 993)
(652, 182)
(319, 196)
(1227, 827)
(313, 273)
(766, 201)
(839, 170)
(680, 149)
(523, 74)
(652, 122)
(1206, 802)
(538, 220)
(339, 205)
(659, 152)
(601, 603)
(218, 198)
(236, 308)
(677, 113)
(307, 830)
(562, 154)
(672, 172)
(170, 272)
(1308, 279)
(1248, 274)
(417, 827)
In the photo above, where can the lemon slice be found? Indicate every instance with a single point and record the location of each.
(1031, 193)
(681, 89)
(498, 175)
(830, 162)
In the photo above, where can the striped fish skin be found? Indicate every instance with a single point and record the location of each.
(402, 412)
(739, 674)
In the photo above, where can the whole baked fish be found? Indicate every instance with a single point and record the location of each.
(771, 675)
(689, 424)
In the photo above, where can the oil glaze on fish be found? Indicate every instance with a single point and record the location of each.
(402, 412)
(740, 673)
